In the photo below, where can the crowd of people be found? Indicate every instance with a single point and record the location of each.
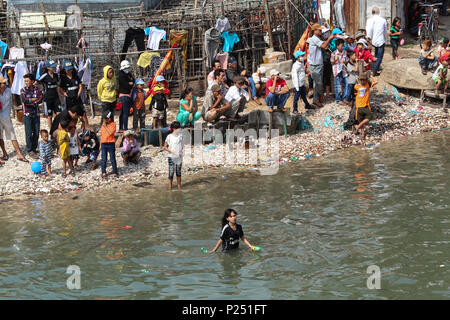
(348, 59)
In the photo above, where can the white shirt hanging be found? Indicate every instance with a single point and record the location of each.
(155, 35)
(19, 82)
(16, 53)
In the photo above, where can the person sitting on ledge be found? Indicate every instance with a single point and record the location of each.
(277, 91)
(215, 105)
(237, 96)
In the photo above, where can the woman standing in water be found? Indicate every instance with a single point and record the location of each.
(231, 232)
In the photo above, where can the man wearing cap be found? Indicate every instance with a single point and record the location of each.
(50, 81)
(71, 88)
(237, 96)
(31, 97)
(6, 126)
(315, 60)
(377, 31)
(126, 83)
(277, 91)
(298, 74)
(215, 105)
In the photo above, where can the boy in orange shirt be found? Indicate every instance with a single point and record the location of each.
(107, 143)
(363, 112)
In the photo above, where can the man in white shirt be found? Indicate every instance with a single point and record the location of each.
(377, 31)
(237, 96)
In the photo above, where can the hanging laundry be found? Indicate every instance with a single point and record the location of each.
(223, 58)
(212, 43)
(87, 73)
(39, 69)
(181, 37)
(3, 48)
(82, 43)
(155, 35)
(136, 34)
(154, 65)
(46, 46)
(229, 41)
(339, 13)
(145, 58)
(223, 25)
(19, 82)
(16, 53)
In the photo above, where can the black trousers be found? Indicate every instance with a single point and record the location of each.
(138, 35)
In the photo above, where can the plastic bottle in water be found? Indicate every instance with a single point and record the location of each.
(255, 248)
(204, 250)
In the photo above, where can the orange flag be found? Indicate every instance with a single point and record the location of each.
(301, 44)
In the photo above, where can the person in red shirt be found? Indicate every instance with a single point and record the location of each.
(277, 91)
(363, 53)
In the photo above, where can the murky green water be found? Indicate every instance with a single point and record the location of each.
(320, 223)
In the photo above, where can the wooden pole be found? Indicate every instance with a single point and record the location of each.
(111, 47)
(46, 22)
(18, 30)
(331, 12)
(269, 25)
(288, 27)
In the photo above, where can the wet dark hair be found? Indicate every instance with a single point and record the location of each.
(339, 42)
(29, 76)
(186, 92)
(396, 19)
(218, 72)
(226, 215)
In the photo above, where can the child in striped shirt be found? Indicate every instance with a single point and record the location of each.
(45, 154)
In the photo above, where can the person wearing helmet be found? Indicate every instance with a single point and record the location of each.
(126, 84)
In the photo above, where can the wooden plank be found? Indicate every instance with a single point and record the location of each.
(46, 22)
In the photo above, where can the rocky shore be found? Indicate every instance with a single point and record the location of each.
(325, 134)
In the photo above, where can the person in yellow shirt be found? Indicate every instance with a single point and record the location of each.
(363, 112)
(107, 90)
(63, 142)
(107, 143)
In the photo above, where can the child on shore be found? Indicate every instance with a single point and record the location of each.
(394, 33)
(107, 143)
(298, 74)
(90, 147)
(174, 146)
(63, 142)
(440, 75)
(352, 70)
(427, 59)
(159, 103)
(130, 149)
(363, 112)
(443, 47)
(363, 53)
(338, 60)
(74, 147)
(139, 106)
(231, 233)
(45, 154)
